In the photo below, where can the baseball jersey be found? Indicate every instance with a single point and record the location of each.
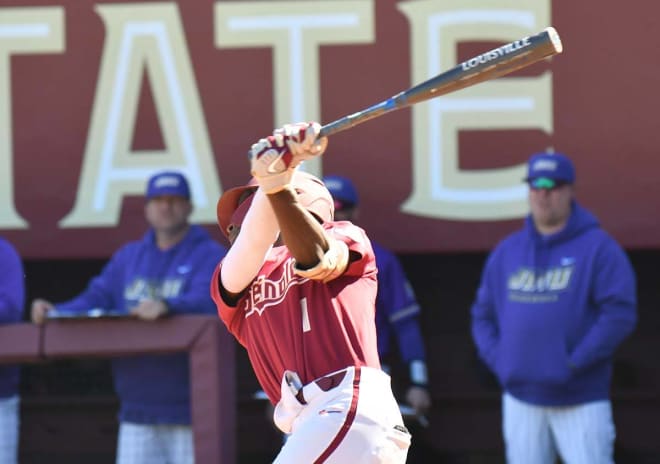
(288, 322)
(397, 309)
(154, 389)
(12, 300)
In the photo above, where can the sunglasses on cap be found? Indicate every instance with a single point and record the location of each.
(545, 183)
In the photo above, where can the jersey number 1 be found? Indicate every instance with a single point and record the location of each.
(305, 315)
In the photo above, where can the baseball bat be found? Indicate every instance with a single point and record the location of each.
(486, 66)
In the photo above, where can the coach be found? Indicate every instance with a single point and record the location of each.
(166, 272)
(555, 301)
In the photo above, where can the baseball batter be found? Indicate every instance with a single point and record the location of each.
(298, 291)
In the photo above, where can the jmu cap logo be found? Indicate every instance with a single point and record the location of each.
(544, 165)
(168, 183)
(553, 166)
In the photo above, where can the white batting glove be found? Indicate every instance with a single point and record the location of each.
(274, 159)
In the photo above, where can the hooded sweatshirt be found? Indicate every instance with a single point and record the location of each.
(551, 310)
(12, 300)
(154, 389)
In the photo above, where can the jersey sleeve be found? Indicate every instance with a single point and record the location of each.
(615, 299)
(231, 316)
(485, 330)
(12, 285)
(100, 290)
(195, 298)
(362, 261)
(397, 303)
(396, 297)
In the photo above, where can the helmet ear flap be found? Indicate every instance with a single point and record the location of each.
(244, 203)
(230, 201)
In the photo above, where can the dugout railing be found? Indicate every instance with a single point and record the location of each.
(209, 346)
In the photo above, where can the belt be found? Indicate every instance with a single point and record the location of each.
(325, 383)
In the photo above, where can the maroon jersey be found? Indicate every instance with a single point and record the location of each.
(288, 322)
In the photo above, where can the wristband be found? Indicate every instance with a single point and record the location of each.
(418, 373)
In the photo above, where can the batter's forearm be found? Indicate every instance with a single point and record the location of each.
(247, 254)
(301, 232)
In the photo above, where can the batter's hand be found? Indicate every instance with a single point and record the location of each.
(39, 309)
(150, 310)
(419, 399)
(274, 159)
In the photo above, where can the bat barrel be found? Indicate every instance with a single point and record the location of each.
(486, 66)
(554, 38)
(489, 65)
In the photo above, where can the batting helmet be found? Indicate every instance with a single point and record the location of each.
(312, 195)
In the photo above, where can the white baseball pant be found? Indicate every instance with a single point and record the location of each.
(9, 423)
(580, 434)
(347, 416)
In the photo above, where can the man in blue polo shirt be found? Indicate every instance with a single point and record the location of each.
(166, 272)
(556, 299)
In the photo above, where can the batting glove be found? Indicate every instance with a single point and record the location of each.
(273, 160)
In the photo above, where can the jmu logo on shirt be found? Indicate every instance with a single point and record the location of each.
(265, 292)
(141, 289)
(539, 285)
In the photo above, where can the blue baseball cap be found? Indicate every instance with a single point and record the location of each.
(168, 183)
(546, 170)
(342, 190)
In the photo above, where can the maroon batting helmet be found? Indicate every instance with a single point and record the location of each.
(312, 195)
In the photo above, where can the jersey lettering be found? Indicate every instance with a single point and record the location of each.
(541, 286)
(141, 289)
(265, 292)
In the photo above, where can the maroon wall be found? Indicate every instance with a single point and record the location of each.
(604, 99)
